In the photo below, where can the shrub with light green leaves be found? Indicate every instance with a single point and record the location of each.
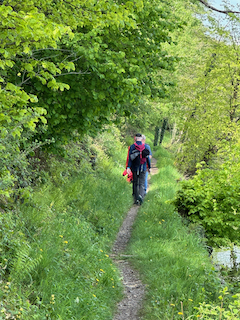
(212, 198)
(229, 309)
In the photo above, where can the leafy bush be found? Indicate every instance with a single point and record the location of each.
(212, 198)
(229, 309)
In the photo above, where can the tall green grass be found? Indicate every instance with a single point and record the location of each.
(56, 261)
(172, 261)
(55, 264)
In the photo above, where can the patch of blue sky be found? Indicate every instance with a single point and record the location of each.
(233, 5)
(220, 3)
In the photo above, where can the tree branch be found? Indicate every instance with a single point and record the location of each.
(215, 9)
(54, 76)
(73, 72)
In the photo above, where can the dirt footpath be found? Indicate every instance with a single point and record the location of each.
(129, 307)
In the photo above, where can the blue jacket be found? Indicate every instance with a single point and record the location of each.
(147, 146)
(142, 167)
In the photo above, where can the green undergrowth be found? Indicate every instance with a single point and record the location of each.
(173, 262)
(55, 246)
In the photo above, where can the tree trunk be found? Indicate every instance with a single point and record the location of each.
(174, 133)
(163, 130)
(156, 136)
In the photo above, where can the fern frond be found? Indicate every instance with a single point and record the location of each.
(24, 264)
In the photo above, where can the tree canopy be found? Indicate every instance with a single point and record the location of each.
(68, 67)
(79, 63)
(74, 66)
(205, 106)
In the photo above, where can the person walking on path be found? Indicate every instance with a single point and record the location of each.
(130, 175)
(137, 164)
(147, 146)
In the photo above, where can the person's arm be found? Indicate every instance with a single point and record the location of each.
(149, 163)
(149, 148)
(127, 157)
(149, 158)
(129, 165)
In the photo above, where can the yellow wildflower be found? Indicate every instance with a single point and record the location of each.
(60, 236)
(65, 241)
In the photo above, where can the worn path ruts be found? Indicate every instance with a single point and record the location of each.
(129, 307)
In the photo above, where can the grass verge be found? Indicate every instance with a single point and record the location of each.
(172, 261)
(54, 263)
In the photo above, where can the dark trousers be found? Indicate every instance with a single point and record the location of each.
(138, 184)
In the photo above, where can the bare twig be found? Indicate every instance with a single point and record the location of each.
(215, 9)
(74, 72)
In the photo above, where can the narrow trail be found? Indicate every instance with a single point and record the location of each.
(134, 289)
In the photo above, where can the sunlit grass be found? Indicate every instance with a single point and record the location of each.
(173, 262)
(63, 269)
(75, 241)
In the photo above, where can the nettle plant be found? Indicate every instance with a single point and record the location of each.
(212, 199)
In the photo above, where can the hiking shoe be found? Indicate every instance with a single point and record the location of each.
(137, 202)
(140, 199)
